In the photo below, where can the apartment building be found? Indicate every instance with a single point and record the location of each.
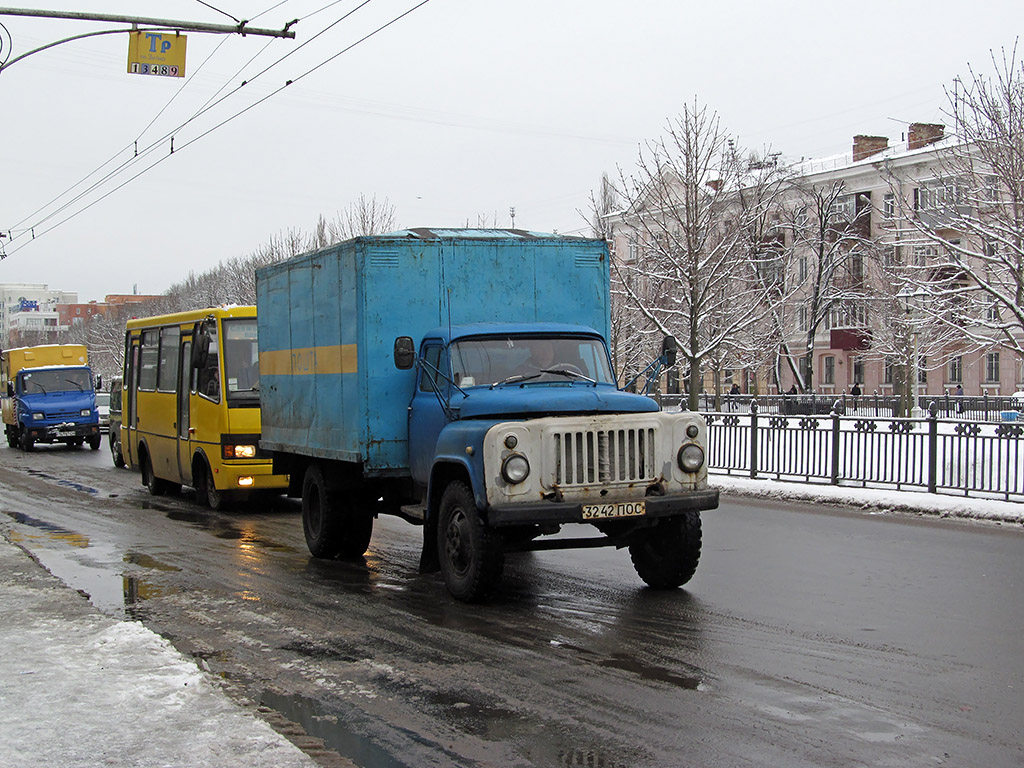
(887, 193)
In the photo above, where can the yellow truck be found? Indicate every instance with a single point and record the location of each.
(49, 396)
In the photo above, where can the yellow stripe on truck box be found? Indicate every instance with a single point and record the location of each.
(302, 362)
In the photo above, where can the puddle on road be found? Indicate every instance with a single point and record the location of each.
(96, 571)
(243, 531)
(651, 672)
(318, 723)
(64, 483)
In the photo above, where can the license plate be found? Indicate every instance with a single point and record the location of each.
(65, 433)
(618, 509)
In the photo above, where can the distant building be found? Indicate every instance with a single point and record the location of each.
(31, 308)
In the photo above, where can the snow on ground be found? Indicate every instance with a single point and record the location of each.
(877, 499)
(81, 689)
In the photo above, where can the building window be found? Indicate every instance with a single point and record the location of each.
(887, 374)
(956, 370)
(992, 367)
(889, 206)
(858, 370)
(828, 370)
(802, 269)
(801, 319)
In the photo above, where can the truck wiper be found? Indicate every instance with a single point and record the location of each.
(72, 381)
(570, 373)
(516, 378)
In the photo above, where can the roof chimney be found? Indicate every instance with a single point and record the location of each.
(923, 134)
(866, 146)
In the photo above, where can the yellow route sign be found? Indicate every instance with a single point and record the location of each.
(156, 53)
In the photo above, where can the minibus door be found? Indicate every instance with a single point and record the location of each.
(184, 413)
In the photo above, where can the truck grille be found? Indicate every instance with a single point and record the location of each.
(604, 456)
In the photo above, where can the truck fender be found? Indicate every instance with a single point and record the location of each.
(444, 471)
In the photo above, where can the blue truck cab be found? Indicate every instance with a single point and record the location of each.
(47, 401)
(461, 380)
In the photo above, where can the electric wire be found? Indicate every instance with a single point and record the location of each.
(115, 156)
(218, 10)
(169, 135)
(224, 122)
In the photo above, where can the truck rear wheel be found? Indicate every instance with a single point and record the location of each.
(471, 554)
(666, 556)
(333, 526)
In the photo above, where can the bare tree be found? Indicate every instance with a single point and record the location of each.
(688, 274)
(829, 240)
(970, 216)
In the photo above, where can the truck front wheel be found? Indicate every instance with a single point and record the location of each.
(27, 443)
(666, 556)
(333, 526)
(471, 554)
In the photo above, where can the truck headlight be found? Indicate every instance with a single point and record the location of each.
(38, 416)
(239, 451)
(85, 412)
(690, 458)
(515, 469)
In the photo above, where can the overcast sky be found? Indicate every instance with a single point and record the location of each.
(455, 113)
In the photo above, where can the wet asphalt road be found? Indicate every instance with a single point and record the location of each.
(808, 637)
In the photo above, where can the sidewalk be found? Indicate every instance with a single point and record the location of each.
(78, 688)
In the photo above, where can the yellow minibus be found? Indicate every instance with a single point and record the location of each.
(191, 405)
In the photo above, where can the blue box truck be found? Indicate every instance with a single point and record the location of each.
(49, 397)
(461, 380)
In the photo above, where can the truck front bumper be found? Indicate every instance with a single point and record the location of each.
(553, 512)
(65, 431)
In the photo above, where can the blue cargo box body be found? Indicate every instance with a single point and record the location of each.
(328, 321)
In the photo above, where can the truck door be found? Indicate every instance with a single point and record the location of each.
(426, 414)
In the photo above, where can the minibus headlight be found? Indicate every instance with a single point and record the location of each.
(239, 451)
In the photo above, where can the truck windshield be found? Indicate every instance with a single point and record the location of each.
(44, 382)
(241, 362)
(510, 359)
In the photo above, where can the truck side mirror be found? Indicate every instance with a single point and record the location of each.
(99, 382)
(669, 348)
(10, 389)
(405, 353)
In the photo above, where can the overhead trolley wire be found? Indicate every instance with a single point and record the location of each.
(224, 122)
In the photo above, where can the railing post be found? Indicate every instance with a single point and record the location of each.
(835, 441)
(753, 439)
(933, 446)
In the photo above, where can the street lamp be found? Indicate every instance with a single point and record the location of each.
(912, 301)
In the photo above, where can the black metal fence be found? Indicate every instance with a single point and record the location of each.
(982, 408)
(939, 455)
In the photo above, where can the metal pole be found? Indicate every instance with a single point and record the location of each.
(185, 26)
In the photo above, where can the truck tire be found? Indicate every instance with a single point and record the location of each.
(157, 486)
(333, 526)
(94, 442)
(115, 451)
(26, 442)
(666, 556)
(470, 552)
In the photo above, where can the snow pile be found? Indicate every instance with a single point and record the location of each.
(877, 499)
